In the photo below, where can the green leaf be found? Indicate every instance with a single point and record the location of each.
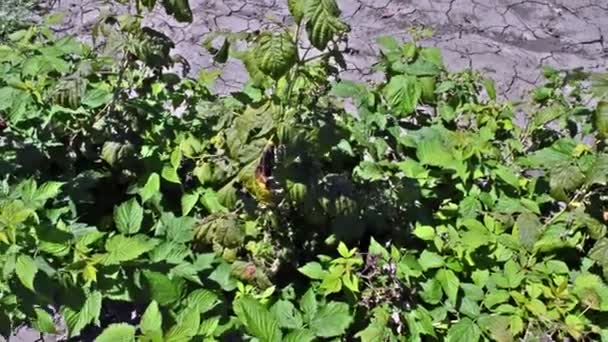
(26, 270)
(402, 94)
(308, 305)
(97, 97)
(299, 335)
(44, 322)
(120, 332)
(163, 290)
(563, 179)
(529, 229)
(537, 307)
(598, 173)
(122, 248)
(370, 171)
(151, 188)
(477, 235)
(209, 326)
(469, 207)
(450, 284)
(346, 88)
(296, 8)
(377, 249)
(426, 233)
(388, 44)
(431, 151)
(430, 260)
(464, 330)
(431, 291)
(275, 54)
(188, 202)
(257, 319)
(169, 173)
(210, 199)
(186, 327)
(489, 85)
(601, 118)
(89, 313)
(331, 320)
(323, 22)
(313, 270)
(203, 300)
(179, 9)
(151, 320)
(222, 275)
(599, 251)
(129, 217)
(287, 315)
(507, 175)
(48, 190)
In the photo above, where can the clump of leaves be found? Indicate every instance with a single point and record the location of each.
(272, 213)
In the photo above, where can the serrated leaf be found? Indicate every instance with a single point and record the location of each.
(222, 275)
(402, 93)
(179, 9)
(203, 300)
(331, 320)
(287, 315)
(449, 283)
(120, 332)
(163, 290)
(110, 152)
(598, 173)
(275, 54)
(151, 188)
(529, 229)
(258, 320)
(464, 330)
(89, 313)
(122, 248)
(563, 179)
(601, 118)
(48, 190)
(346, 88)
(431, 291)
(599, 251)
(296, 8)
(309, 305)
(26, 270)
(186, 327)
(129, 217)
(299, 335)
(169, 173)
(323, 22)
(426, 233)
(429, 260)
(313, 270)
(188, 202)
(370, 171)
(44, 322)
(96, 97)
(152, 320)
(209, 326)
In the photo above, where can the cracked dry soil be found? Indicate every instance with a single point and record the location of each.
(508, 40)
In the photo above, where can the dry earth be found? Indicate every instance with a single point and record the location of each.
(509, 40)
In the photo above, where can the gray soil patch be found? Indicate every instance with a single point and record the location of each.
(508, 40)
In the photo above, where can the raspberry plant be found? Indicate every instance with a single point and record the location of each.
(430, 211)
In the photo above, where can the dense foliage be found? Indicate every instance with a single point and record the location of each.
(138, 204)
